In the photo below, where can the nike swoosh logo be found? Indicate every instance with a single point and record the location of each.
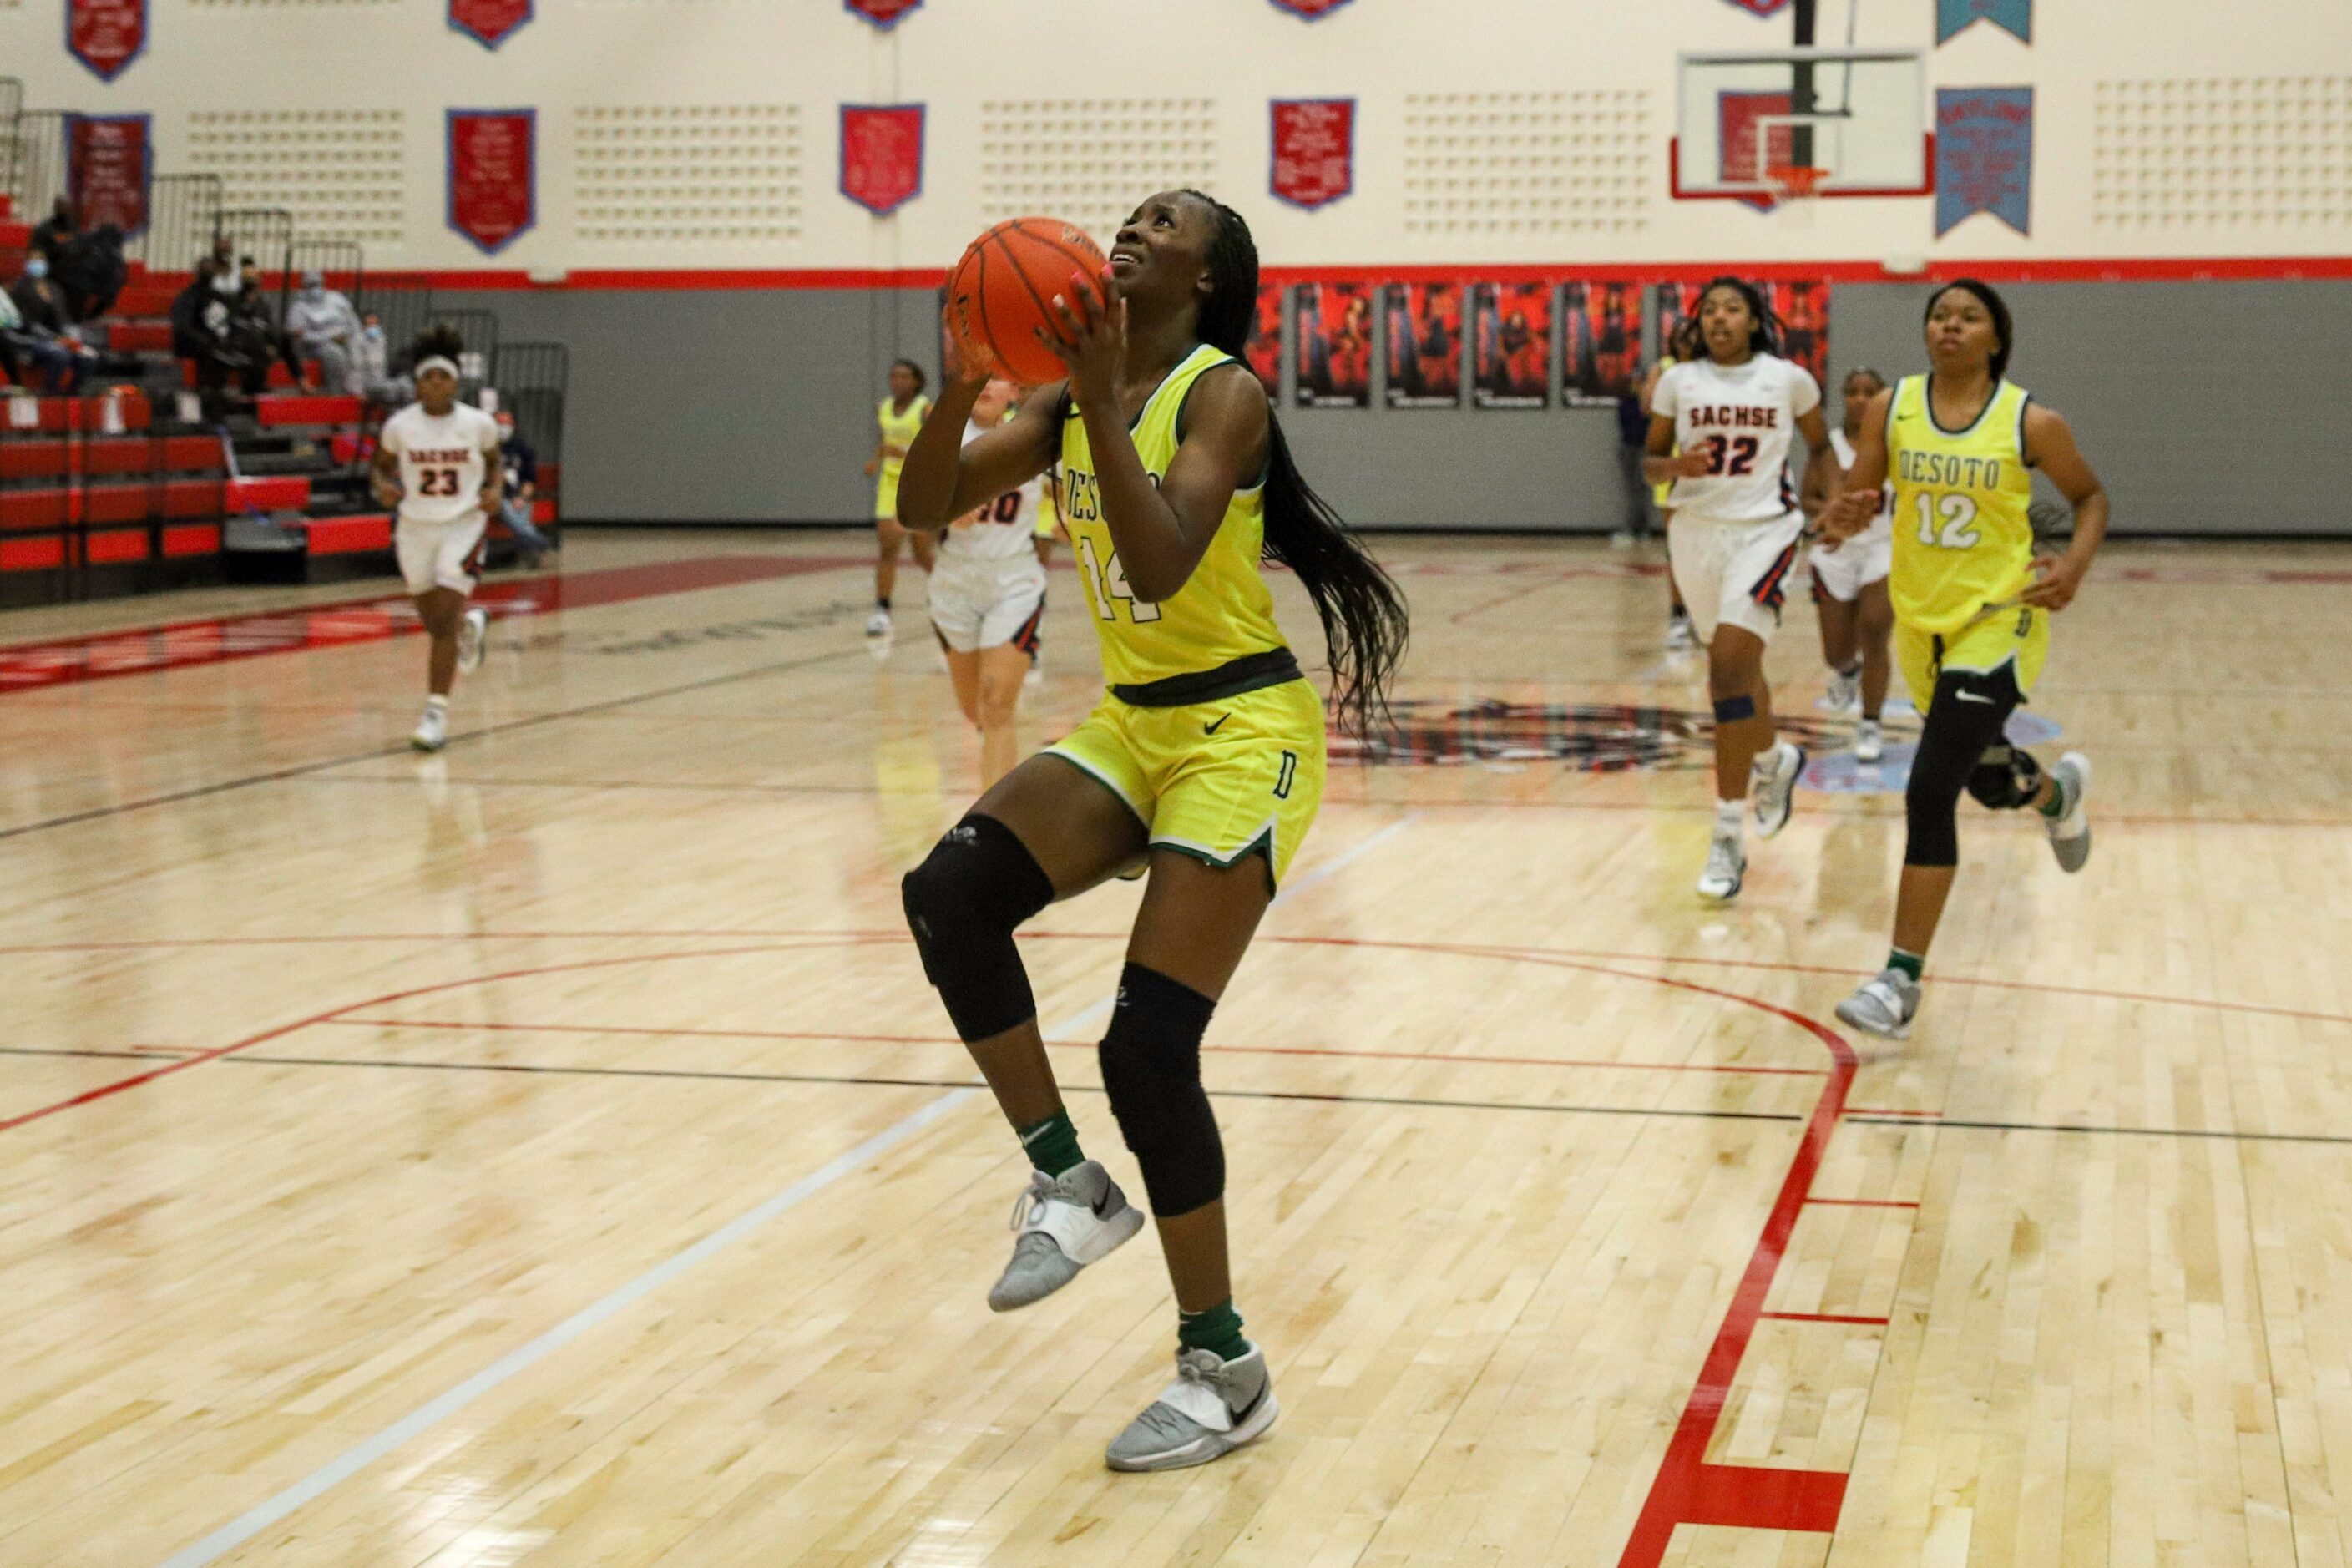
(1212, 729)
(1972, 697)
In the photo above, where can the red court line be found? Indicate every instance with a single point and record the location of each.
(1826, 1318)
(1860, 1204)
(180, 644)
(1466, 1060)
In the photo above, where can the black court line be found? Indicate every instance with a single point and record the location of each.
(1943, 1122)
(163, 1054)
(526, 1067)
(402, 749)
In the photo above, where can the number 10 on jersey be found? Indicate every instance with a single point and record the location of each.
(1106, 582)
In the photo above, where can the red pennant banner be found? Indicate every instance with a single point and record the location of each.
(1314, 150)
(1316, 10)
(493, 175)
(106, 34)
(107, 169)
(884, 14)
(882, 155)
(489, 23)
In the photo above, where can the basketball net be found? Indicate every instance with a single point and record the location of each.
(1796, 191)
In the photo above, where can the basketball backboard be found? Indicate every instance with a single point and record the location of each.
(1859, 117)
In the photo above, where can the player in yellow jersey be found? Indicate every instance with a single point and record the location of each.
(1972, 606)
(902, 414)
(1205, 756)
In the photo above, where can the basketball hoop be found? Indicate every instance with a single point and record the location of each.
(1796, 186)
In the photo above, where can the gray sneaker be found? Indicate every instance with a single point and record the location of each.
(1884, 1006)
(1773, 780)
(1213, 1407)
(2070, 830)
(473, 630)
(1063, 1226)
(1726, 863)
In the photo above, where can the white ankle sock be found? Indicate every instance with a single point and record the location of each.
(436, 704)
(1731, 817)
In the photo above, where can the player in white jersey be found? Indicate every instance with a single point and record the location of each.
(436, 463)
(1734, 543)
(987, 601)
(1849, 582)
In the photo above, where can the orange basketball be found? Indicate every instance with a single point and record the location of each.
(1002, 292)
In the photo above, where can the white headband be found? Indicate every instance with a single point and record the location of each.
(438, 362)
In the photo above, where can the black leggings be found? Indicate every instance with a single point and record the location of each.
(1964, 722)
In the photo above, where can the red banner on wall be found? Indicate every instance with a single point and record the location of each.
(107, 169)
(106, 34)
(884, 14)
(1315, 10)
(1511, 324)
(1265, 338)
(489, 23)
(881, 155)
(1334, 324)
(1600, 327)
(493, 175)
(1425, 333)
(1314, 150)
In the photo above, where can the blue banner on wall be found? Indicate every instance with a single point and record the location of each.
(1957, 15)
(1984, 155)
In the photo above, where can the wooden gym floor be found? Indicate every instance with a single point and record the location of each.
(550, 1152)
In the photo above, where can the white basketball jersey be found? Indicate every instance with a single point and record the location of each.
(444, 462)
(1743, 416)
(1885, 521)
(1001, 530)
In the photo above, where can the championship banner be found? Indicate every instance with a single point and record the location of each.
(493, 175)
(1314, 158)
(1511, 327)
(881, 155)
(1957, 15)
(107, 169)
(1805, 311)
(1265, 338)
(106, 34)
(1424, 337)
(489, 23)
(1984, 155)
(1313, 10)
(884, 14)
(1600, 324)
(1334, 324)
(1762, 7)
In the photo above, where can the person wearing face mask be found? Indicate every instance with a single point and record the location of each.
(44, 332)
(371, 374)
(253, 325)
(200, 323)
(520, 461)
(324, 327)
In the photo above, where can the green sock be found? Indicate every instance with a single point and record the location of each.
(2055, 807)
(1217, 1330)
(1052, 1144)
(1910, 964)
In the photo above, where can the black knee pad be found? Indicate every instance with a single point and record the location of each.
(1151, 1070)
(2005, 778)
(963, 903)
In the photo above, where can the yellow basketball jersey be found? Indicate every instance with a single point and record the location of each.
(1224, 611)
(898, 432)
(1962, 538)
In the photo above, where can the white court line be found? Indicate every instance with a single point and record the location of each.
(352, 1461)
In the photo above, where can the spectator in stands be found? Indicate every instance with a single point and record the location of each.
(54, 234)
(371, 376)
(254, 322)
(45, 328)
(92, 271)
(202, 319)
(521, 465)
(324, 327)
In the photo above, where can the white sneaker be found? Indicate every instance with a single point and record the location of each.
(1680, 636)
(473, 630)
(1869, 741)
(1883, 1006)
(1773, 780)
(1844, 691)
(1036, 680)
(1726, 864)
(432, 731)
(2070, 830)
(877, 624)
(1213, 1407)
(1063, 1224)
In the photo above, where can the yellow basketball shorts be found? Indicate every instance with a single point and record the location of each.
(2019, 634)
(886, 495)
(1217, 780)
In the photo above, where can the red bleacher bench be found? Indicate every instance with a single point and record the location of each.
(192, 498)
(44, 508)
(145, 300)
(542, 511)
(109, 547)
(139, 337)
(192, 453)
(16, 236)
(274, 492)
(117, 503)
(349, 535)
(34, 459)
(32, 555)
(191, 539)
(275, 413)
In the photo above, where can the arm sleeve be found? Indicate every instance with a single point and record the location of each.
(1804, 392)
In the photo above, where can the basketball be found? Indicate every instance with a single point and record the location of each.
(1003, 289)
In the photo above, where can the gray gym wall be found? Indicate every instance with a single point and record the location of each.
(758, 406)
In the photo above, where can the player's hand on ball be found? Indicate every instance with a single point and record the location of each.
(2057, 580)
(1086, 330)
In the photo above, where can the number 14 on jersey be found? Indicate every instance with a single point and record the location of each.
(1106, 582)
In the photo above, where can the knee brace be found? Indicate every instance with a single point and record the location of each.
(1732, 710)
(1151, 1070)
(963, 903)
(2005, 778)
(1956, 751)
